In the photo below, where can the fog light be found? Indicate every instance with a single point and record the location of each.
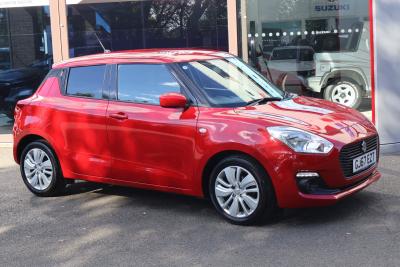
(312, 183)
(307, 175)
(308, 182)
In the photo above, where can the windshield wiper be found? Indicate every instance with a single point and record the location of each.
(263, 101)
(288, 95)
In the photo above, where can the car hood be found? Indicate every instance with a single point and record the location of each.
(310, 114)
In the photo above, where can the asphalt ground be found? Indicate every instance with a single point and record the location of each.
(101, 225)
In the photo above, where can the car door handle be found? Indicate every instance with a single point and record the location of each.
(119, 116)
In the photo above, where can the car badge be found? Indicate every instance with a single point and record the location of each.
(364, 146)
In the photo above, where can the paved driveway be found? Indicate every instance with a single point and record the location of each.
(98, 225)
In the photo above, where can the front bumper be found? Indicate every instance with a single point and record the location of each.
(313, 84)
(283, 165)
(294, 198)
(329, 199)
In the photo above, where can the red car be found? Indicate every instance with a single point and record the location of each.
(194, 122)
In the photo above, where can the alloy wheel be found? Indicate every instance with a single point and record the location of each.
(237, 191)
(344, 94)
(38, 169)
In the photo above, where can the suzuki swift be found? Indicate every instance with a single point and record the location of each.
(193, 122)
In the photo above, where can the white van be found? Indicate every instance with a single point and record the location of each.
(343, 66)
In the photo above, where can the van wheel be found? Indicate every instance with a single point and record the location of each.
(241, 191)
(345, 92)
(40, 170)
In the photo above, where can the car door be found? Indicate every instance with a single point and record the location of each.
(150, 144)
(80, 121)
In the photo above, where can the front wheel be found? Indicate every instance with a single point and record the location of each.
(345, 92)
(241, 191)
(40, 170)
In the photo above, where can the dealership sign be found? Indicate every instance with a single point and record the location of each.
(330, 7)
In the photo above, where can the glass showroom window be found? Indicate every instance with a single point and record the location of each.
(312, 47)
(25, 56)
(147, 24)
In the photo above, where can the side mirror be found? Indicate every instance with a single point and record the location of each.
(173, 100)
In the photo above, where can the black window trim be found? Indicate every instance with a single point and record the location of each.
(114, 84)
(195, 92)
(65, 81)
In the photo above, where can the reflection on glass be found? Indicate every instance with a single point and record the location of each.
(229, 82)
(25, 55)
(136, 83)
(147, 24)
(313, 47)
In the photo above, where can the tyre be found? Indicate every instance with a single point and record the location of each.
(241, 191)
(345, 92)
(41, 170)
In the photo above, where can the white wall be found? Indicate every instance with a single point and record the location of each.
(387, 73)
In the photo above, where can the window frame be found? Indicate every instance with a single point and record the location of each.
(104, 87)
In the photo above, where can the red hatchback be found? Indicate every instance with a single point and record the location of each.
(194, 122)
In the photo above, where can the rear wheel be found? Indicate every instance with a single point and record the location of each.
(345, 92)
(241, 191)
(40, 170)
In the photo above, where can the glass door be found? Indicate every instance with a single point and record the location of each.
(318, 48)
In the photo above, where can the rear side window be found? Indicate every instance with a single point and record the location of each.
(86, 81)
(144, 83)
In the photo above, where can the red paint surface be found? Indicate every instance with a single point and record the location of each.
(148, 146)
(143, 56)
(173, 100)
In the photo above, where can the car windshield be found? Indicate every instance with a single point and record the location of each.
(229, 82)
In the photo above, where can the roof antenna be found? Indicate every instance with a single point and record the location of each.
(102, 46)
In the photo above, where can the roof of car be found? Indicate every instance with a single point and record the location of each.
(148, 56)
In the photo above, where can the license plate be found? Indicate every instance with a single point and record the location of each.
(364, 162)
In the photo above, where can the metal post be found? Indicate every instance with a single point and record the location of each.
(59, 30)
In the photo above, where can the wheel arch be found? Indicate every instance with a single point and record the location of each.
(218, 156)
(353, 74)
(26, 140)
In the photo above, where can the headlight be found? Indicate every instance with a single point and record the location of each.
(301, 141)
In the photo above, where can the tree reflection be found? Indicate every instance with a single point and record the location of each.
(149, 24)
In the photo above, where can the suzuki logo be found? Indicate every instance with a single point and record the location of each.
(364, 146)
(332, 5)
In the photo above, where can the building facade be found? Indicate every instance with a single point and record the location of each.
(321, 48)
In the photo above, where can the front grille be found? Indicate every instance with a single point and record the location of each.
(354, 150)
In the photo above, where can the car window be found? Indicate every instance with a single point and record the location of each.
(306, 55)
(86, 81)
(229, 82)
(341, 41)
(144, 83)
(284, 54)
